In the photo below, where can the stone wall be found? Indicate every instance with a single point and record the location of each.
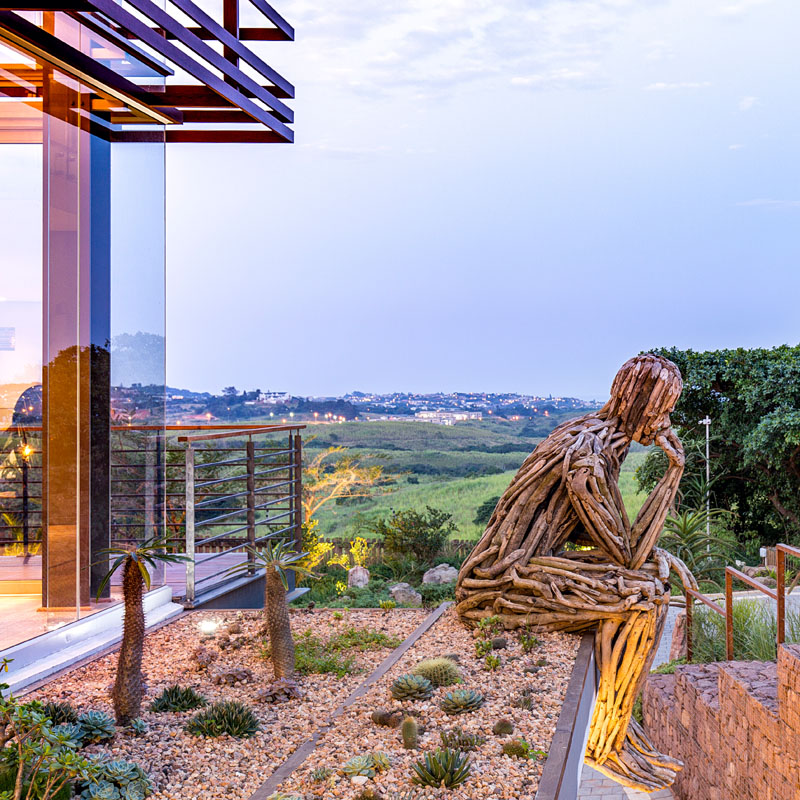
(735, 725)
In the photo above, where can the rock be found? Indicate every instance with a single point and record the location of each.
(404, 595)
(771, 583)
(357, 577)
(233, 628)
(359, 780)
(677, 648)
(443, 573)
(499, 643)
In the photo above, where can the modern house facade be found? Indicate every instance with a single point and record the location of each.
(92, 94)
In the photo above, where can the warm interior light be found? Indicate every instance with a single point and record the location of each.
(27, 450)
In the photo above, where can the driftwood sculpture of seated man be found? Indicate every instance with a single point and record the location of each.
(560, 553)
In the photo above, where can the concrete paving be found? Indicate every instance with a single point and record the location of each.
(596, 786)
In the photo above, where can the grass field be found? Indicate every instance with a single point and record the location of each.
(459, 496)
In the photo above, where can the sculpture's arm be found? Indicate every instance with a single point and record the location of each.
(599, 506)
(674, 564)
(650, 519)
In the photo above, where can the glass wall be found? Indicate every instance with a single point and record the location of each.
(82, 364)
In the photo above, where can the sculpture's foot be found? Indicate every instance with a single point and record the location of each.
(638, 765)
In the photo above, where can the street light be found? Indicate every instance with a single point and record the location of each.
(707, 422)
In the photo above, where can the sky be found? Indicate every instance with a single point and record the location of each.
(515, 195)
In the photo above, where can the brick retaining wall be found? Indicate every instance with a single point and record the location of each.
(735, 725)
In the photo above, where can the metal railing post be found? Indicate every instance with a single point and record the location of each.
(689, 624)
(251, 504)
(189, 482)
(728, 615)
(781, 598)
(298, 493)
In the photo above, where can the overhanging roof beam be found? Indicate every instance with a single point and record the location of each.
(230, 41)
(144, 32)
(274, 17)
(207, 53)
(46, 47)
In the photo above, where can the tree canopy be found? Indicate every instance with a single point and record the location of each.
(753, 400)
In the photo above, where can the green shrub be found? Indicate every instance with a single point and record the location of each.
(176, 698)
(314, 656)
(435, 593)
(226, 717)
(668, 668)
(421, 535)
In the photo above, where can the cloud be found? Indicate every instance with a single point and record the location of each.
(661, 86)
(735, 146)
(746, 103)
(764, 202)
(558, 78)
(740, 7)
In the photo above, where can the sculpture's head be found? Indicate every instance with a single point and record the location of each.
(644, 393)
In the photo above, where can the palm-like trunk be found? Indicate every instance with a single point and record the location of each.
(280, 633)
(128, 690)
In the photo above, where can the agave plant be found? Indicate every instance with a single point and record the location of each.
(447, 768)
(128, 690)
(277, 558)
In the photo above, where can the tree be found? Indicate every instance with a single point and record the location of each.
(753, 400)
(333, 474)
(277, 558)
(128, 690)
(485, 510)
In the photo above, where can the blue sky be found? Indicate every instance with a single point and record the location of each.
(498, 196)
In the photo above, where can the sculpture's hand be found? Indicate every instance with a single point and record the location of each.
(669, 442)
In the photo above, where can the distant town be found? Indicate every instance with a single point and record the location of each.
(187, 407)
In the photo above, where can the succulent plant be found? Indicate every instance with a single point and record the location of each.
(284, 796)
(59, 713)
(410, 733)
(118, 780)
(462, 701)
(226, 717)
(457, 739)
(321, 774)
(381, 761)
(482, 647)
(503, 727)
(280, 691)
(388, 719)
(359, 765)
(177, 698)
(491, 662)
(439, 671)
(448, 768)
(490, 626)
(528, 641)
(519, 748)
(97, 726)
(71, 731)
(541, 662)
(412, 687)
(138, 727)
(525, 700)
(387, 605)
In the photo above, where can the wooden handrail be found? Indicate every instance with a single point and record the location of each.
(250, 431)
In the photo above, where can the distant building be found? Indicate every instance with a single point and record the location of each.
(447, 417)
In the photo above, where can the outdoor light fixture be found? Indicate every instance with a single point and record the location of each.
(208, 628)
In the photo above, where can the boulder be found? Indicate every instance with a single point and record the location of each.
(443, 573)
(404, 595)
(357, 577)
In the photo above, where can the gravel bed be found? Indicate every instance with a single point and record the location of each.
(184, 767)
(494, 775)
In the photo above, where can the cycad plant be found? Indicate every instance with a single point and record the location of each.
(277, 558)
(685, 535)
(134, 560)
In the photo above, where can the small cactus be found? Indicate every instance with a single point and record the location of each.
(459, 740)
(503, 727)
(439, 671)
(410, 732)
(388, 719)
